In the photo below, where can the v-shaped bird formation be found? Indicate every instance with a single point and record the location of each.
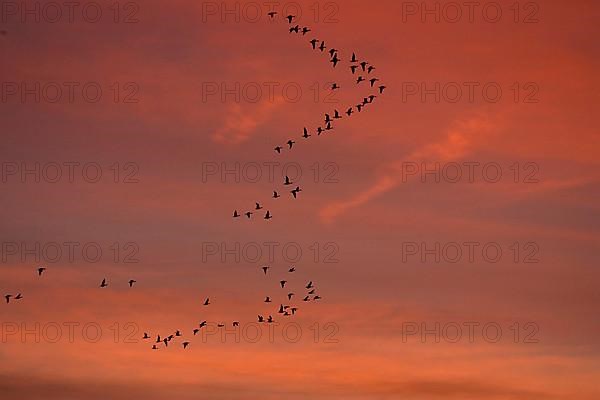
(359, 68)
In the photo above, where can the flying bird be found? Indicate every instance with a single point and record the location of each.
(265, 269)
(236, 323)
(314, 43)
(296, 191)
(293, 269)
(154, 347)
(41, 271)
(276, 195)
(261, 318)
(363, 65)
(360, 79)
(195, 331)
(353, 69)
(319, 131)
(258, 207)
(381, 89)
(287, 181)
(103, 284)
(306, 135)
(290, 295)
(185, 344)
(337, 115)
(373, 80)
(267, 299)
(131, 282)
(349, 112)
(282, 283)
(305, 30)
(207, 302)
(249, 214)
(354, 59)
(146, 336)
(310, 285)
(291, 143)
(272, 14)
(268, 216)
(335, 86)
(278, 149)
(370, 69)
(335, 60)
(7, 297)
(235, 214)
(322, 46)
(290, 18)
(295, 29)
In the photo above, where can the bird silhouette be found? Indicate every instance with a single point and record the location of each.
(335, 86)
(353, 69)
(236, 323)
(317, 298)
(282, 283)
(359, 107)
(305, 30)
(185, 344)
(335, 60)
(290, 295)
(314, 43)
(290, 18)
(296, 191)
(258, 207)
(305, 135)
(261, 318)
(287, 181)
(291, 143)
(336, 115)
(328, 127)
(349, 112)
(354, 59)
(131, 282)
(293, 269)
(207, 302)
(278, 149)
(265, 269)
(319, 131)
(103, 284)
(267, 299)
(373, 80)
(381, 89)
(249, 214)
(268, 216)
(270, 319)
(19, 297)
(327, 118)
(322, 46)
(154, 347)
(310, 285)
(195, 331)
(235, 214)
(146, 336)
(272, 14)
(276, 195)
(178, 333)
(7, 297)
(41, 271)
(307, 298)
(360, 79)
(295, 29)
(203, 324)
(363, 65)
(370, 69)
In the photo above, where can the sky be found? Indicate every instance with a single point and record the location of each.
(451, 227)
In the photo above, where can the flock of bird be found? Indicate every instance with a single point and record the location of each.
(287, 307)
(40, 272)
(359, 68)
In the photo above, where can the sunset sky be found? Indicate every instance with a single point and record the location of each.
(377, 230)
